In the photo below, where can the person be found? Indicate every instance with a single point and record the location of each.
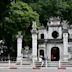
(41, 59)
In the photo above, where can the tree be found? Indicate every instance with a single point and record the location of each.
(4, 7)
(48, 8)
(20, 19)
(30, 1)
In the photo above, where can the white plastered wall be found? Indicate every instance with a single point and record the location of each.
(70, 33)
(50, 46)
(51, 29)
(42, 31)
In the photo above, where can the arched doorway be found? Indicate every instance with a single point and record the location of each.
(42, 53)
(55, 54)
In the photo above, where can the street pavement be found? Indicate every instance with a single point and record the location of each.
(35, 70)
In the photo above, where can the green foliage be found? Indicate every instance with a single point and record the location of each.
(18, 16)
(20, 19)
(30, 1)
(48, 8)
(4, 7)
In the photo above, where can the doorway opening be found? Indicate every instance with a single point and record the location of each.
(55, 54)
(42, 53)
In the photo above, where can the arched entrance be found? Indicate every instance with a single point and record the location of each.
(42, 53)
(55, 54)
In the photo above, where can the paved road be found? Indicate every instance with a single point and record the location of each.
(35, 70)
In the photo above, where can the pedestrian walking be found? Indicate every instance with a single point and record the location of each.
(42, 61)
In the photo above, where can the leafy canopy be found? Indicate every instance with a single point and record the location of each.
(48, 8)
(20, 17)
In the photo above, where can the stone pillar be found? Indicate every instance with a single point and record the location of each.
(19, 46)
(65, 44)
(34, 42)
(46, 55)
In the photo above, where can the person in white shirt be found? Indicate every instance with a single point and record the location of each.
(41, 60)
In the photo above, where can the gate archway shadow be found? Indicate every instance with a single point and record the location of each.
(55, 54)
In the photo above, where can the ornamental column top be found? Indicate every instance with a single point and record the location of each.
(19, 35)
(65, 24)
(34, 28)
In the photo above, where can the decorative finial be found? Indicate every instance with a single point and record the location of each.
(54, 19)
(65, 24)
(34, 26)
(19, 33)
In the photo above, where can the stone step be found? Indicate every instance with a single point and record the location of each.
(26, 61)
(53, 64)
(63, 64)
(67, 64)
